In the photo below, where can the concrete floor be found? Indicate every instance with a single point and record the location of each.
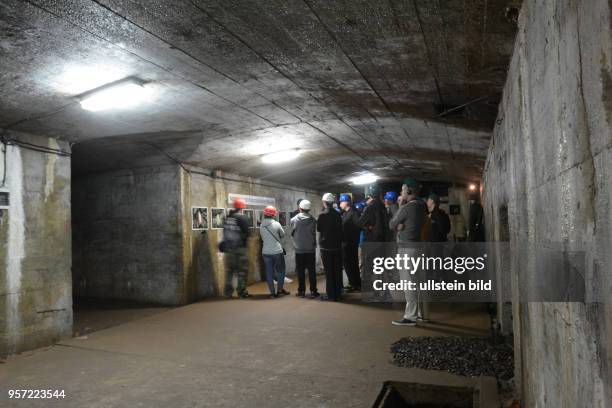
(237, 353)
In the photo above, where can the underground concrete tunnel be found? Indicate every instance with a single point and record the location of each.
(172, 172)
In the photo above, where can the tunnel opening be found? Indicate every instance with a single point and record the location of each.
(115, 245)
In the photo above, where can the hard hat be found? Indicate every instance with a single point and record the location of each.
(305, 205)
(373, 190)
(269, 211)
(391, 196)
(360, 206)
(410, 182)
(328, 197)
(345, 197)
(434, 197)
(240, 203)
(299, 201)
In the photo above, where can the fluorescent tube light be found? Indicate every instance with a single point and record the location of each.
(280, 157)
(366, 178)
(122, 94)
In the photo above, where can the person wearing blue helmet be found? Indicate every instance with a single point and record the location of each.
(350, 243)
(391, 202)
(374, 218)
(359, 206)
(375, 223)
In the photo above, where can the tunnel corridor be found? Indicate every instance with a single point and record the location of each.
(210, 203)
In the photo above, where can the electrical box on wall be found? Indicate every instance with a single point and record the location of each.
(4, 199)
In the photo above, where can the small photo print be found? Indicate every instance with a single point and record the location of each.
(251, 217)
(282, 218)
(217, 217)
(199, 217)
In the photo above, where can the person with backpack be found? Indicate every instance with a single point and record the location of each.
(234, 245)
(304, 234)
(440, 222)
(272, 234)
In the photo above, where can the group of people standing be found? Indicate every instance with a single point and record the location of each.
(341, 229)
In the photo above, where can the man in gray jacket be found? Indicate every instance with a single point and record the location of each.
(408, 222)
(304, 233)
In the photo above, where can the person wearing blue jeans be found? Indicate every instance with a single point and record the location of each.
(272, 234)
(275, 265)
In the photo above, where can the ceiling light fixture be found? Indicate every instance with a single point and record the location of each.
(472, 187)
(280, 157)
(366, 178)
(123, 94)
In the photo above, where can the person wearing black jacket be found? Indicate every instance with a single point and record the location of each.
(476, 232)
(375, 223)
(329, 225)
(374, 218)
(440, 222)
(350, 243)
(235, 236)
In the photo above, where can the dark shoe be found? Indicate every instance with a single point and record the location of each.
(314, 295)
(245, 295)
(404, 322)
(422, 319)
(273, 295)
(300, 294)
(283, 292)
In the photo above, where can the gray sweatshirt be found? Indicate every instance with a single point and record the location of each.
(304, 233)
(411, 215)
(271, 233)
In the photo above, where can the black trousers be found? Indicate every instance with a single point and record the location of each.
(350, 257)
(332, 263)
(303, 262)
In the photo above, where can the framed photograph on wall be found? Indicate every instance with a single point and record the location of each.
(199, 218)
(217, 218)
(250, 216)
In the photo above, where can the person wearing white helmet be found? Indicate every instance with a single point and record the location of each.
(304, 234)
(329, 225)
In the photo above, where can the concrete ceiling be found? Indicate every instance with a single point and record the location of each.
(356, 84)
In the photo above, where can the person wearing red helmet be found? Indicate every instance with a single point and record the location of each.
(234, 245)
(272, 234)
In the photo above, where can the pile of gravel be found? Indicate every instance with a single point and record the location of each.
(469, 356)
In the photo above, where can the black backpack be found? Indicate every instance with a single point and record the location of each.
(232, 234)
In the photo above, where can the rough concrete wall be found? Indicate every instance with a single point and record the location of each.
(204, 272)
(550, 162)
(126, 235)
(35, 249)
